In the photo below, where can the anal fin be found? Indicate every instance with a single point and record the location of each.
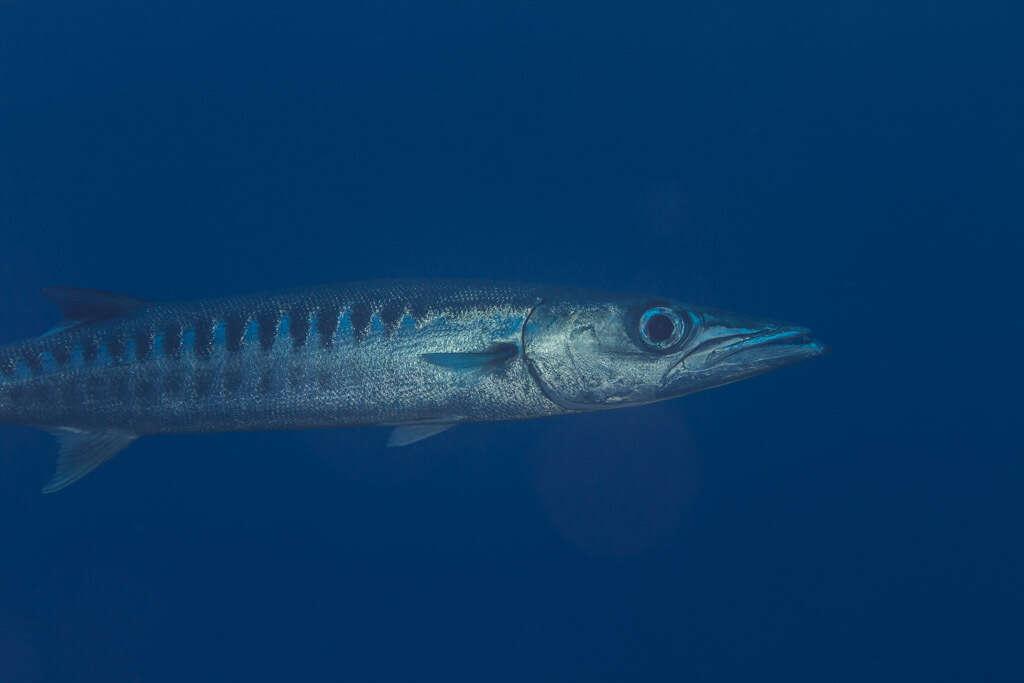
(82, 451)
(403, 435)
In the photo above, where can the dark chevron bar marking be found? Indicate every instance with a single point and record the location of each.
(61, 354)
(115, 345)
(172, 341)
(391, 315)
(300, 327)
(268, 322)
(90, 350)
(33, 361)
(234, 333)
(360, 321)
(204, 338)
(419, 311)
(327, 325)
(143, 345)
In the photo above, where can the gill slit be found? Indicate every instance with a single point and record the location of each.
(529, 364)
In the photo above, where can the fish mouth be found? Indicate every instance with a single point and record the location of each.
(794, 343)
(728, 354)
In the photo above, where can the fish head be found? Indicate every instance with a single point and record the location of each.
(615, 351)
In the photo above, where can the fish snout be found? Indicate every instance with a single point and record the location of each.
(728, 350)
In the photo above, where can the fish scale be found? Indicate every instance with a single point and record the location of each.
(421, 355)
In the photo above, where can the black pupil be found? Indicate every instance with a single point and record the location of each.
(659, 328)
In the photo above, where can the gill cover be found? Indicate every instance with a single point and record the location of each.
(590, 355)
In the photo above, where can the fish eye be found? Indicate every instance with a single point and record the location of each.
(660, 327)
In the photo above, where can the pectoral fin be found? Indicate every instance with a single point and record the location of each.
(478, 361)
(83, 451)
(403, 435)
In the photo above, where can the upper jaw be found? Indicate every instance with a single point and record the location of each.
(723, 353)
(768, 344)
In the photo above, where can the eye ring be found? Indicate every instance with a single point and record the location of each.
(660, 327)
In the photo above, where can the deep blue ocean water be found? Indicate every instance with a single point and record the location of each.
(853, 166)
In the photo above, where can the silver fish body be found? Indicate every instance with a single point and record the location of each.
(422, 355)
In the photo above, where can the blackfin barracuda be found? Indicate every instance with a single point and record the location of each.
(418, 355)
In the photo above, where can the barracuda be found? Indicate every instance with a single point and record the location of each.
(418, 355)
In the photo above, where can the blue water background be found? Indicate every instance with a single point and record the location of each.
(852, 166)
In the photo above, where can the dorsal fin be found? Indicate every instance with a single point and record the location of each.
(82, 306)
